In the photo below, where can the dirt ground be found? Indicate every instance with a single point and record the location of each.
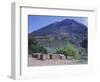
(37, 62)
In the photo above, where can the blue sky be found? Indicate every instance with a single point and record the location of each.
(36, 22)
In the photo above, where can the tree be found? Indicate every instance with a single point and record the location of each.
(38, 49)
(34, 47)
(69, 50)
(32, 41)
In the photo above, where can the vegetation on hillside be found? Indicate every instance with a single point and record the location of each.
(70, 39)
(69, 50)
(34, 47)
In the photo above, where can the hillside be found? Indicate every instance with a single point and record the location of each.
(59, 34)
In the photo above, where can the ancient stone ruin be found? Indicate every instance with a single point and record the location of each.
(50, 56)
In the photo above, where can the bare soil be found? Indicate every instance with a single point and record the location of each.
(37, 62)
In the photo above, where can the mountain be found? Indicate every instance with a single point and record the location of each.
(84, 43)
(64, 27)
(59, 34)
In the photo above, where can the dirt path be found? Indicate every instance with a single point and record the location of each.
(36, 62)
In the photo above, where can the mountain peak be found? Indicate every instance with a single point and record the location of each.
(68, 20)
(62, 27)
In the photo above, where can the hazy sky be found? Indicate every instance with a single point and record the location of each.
(38, 21)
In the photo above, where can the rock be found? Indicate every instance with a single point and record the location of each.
(36, 55)
(62, 56)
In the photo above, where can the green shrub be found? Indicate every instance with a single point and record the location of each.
(32, 41)
(38, 49)
(61, 51)
(34, 47)
(69, 50)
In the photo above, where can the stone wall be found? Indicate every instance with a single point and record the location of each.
(42, 56)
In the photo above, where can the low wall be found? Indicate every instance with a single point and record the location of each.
(48, 56)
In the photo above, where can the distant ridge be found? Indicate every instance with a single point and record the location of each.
(61, 28)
